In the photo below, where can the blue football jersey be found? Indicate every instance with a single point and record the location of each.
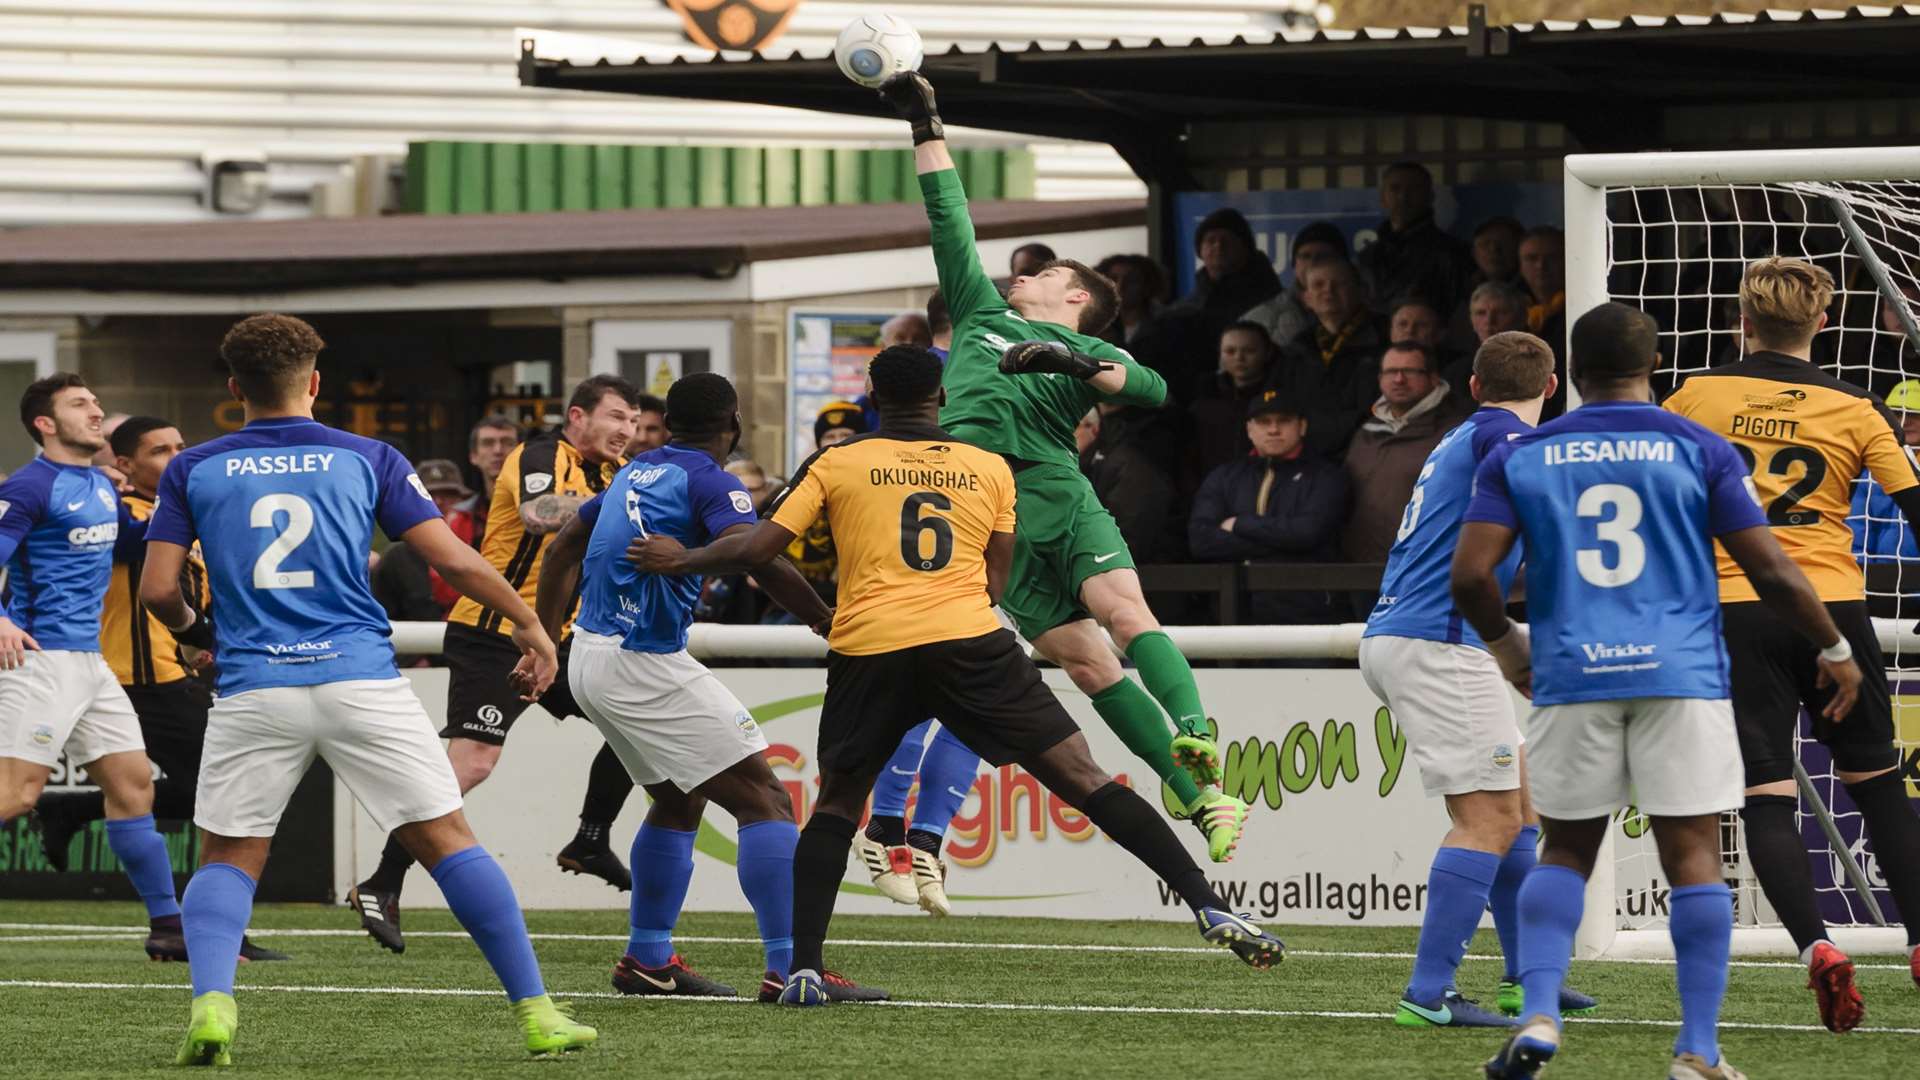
(284, 510)
(672, 491)
(58, 527)
(1618, 503)
(1416, 596)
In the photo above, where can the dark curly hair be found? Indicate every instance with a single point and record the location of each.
(270, 357)
(904, 375)
(700, 405)
(37, 401)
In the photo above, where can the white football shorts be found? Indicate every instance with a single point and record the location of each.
(62, 699)
(1455, 708)
(1671, 757)
(665, 715)
(373, 733)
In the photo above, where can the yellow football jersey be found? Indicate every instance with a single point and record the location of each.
(911, 512)
(134, 641)
(545, 464)
(1805, 435)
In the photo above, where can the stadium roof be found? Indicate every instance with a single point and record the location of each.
(262, 256)
(1606, 80)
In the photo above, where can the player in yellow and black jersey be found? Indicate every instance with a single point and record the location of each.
(540, 488)
(924, 527)
(166, 681)
(1806, 436)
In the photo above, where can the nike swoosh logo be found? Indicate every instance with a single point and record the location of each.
(76, 505)
(1441, 1015)
(958, 794)
(902, 772)
(668, 984)
(1104, 558)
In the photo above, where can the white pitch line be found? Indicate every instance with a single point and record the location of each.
(983, 1006)
(84, 932)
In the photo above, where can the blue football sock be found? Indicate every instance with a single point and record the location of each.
(1702, 929)
(891, 786)
(1456, 896)
(144, 855)
(1504, 897)
(482, 899)
(662, 862)
(218, 903)
(946, 777)
(1551, 903)
(766, 877)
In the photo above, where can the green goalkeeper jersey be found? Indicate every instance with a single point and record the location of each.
(1025, 416)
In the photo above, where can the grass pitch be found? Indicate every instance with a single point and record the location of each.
(979, 996)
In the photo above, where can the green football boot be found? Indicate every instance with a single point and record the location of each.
(1220, 818)
(1197, 753)
(210, 1031)
(1510, 998)
(550, 1028)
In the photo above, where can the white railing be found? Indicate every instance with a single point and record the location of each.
(709, 641)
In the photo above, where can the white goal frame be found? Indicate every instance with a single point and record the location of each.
(1586, 180)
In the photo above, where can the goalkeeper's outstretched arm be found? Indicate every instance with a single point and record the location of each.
(963, 282)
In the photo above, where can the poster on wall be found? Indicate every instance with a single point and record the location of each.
(827, 354)
(1276, 216)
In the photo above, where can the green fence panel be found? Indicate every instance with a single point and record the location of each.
(677, 176)
(543, 177)
(506, 178)
(609, 178)
(710, 175)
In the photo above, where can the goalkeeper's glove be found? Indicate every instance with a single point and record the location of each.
(198, 633)
(911, 95)
(1048, 358)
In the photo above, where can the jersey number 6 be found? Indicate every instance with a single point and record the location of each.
(912, 525)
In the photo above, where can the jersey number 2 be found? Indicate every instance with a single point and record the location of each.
(1618, 530)
(266, 569)
(912, 525)
(1784, 511)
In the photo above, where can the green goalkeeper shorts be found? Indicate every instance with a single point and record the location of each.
(1064, 537)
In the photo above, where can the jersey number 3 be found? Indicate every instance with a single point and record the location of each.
(1622, 510)
(912, 546)
(266, 569)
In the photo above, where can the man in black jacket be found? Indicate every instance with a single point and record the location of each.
(1411, 255)
(1280, 505)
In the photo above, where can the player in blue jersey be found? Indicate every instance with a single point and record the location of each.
(60, 520)
(678, 730)
(1619, 504)
(1422, 659)
(284, 510)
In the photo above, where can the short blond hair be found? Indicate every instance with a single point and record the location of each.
(1783, 299)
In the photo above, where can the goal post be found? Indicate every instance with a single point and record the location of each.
(1671, 233)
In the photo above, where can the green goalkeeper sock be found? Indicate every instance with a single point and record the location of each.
(1169, 679)
(1134, 716)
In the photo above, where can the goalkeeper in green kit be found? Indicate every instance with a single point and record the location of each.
(1020, 375)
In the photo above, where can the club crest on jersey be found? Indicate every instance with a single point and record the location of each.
(414, 480)
(4, 507)
(742, 502)
(538, 482)
(733, 24)
(106, 498)
(1503, 756)
(42, 735)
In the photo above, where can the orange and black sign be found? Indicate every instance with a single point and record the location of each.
(734, 24)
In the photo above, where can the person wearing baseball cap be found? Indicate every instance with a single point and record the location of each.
(1279, 504)
(443, 482)
(838, 422)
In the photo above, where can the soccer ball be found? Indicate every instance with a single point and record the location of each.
(875, 48)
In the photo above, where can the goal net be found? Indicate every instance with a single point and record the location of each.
(1672, 234)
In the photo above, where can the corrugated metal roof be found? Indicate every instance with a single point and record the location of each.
(269, 255)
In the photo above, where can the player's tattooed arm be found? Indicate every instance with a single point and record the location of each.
(1483, 546)
(550, 513)
(1784, 588)
(559, 581)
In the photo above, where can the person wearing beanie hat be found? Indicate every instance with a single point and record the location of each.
(838, 422)
(1286, 316)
